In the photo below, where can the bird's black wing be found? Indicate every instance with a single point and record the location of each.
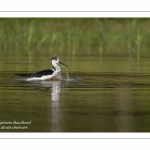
(38, 74)
(42, 73)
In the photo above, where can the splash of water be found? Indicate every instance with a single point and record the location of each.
(68, 79)
(67, 75)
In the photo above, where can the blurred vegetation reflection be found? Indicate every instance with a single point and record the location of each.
(104, 36)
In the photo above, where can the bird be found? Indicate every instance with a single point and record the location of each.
(46, 74)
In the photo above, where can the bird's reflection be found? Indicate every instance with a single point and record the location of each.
(55, 93)
(55, 88)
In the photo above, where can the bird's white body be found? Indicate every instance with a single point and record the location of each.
(40, 78)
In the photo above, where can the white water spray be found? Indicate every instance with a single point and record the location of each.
(67, 74)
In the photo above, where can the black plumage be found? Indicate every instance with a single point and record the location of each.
(38, 74)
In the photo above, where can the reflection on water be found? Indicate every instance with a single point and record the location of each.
(124, 105)
(55, 92)
(112, 96)
(55, 105)
(54, 86)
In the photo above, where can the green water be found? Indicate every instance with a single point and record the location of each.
(104, 94)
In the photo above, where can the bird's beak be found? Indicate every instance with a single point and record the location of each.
(63, 64)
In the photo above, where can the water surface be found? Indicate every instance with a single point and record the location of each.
(103, 95)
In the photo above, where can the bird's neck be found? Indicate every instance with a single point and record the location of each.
(56, 67)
